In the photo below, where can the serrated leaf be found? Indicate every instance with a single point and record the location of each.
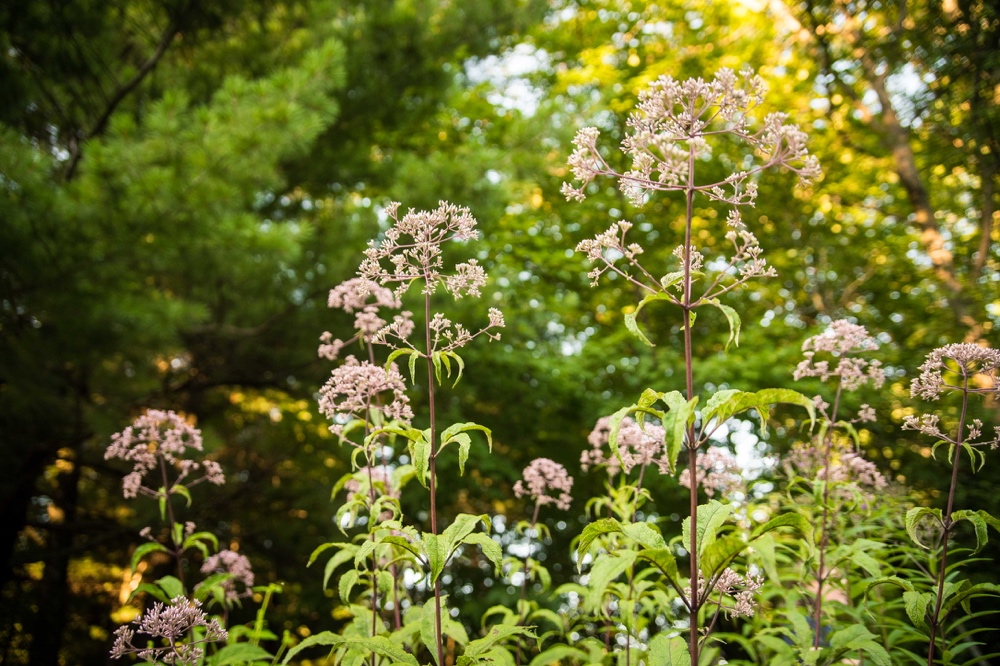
(420, 454)
(347, 582)
(450, 432)
(464, 445)
(491, 549)
(324, 638)
(866, 562)
(592, 531)
(711, 517)
(974, 517)
(461, 367)
(463, 525)
(146, 549)
(791, 519)
(913, 518)
(437, 556)
(720, 554)
(917, 604)
(171, 586)
(436, 361)
(402, 542)
(644, 534)
(669, 651)
(766, 397)
(605, 570)
(238, 653)
(671, 279)
(363, 551)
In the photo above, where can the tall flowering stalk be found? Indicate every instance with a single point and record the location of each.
(162, 445)
(832, 357)
(671, 129)
(411, 253)
(969, 370)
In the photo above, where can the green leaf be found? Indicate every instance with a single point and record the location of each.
(796, 520)
(152, 590)
(711, 517)
(413, 354)
(402, 542)
(144, 550)
(171, 586)
(645, 534)
(978, 522)
(671, 279)
(766, 397)
(464, 445)
(669, 651)
(420, 454)
(720, 554)
(463, 525)
(461, 367)
(633, 328)
(605, 570)
(917, 604)
(238, 653)
(734, 321)
(479, 647)
(913, 518)
(323, 548)
(558, 653)
(857, 637)
(383, 646)
(199, 537)
(181, 490)
(491, 549)
(450, 432)
(436, 360)
(211, 585)
(437, 555)
(664, 560)
(871, 566)
(323, 638)
(347, 582)
(338, 558)
(591, 532)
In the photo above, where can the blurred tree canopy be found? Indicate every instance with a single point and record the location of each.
(181, 183)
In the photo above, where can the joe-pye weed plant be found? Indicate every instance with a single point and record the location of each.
(389, 574)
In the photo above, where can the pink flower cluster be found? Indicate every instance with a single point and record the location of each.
(160, 435)
(638, 445)
(231, 562)
(717, 472)
(741, 589)
(669, 128)
(354, 389)
(352, 296)
(172, 623)
(968, 360)
(841, 340)
(846, 466)
(546, 482)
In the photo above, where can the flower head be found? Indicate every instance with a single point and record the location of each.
(355, 389)
(966, 359)
(638, 445)
(231, 562)
(171, 623)
(840, 341)
(546, 482)
(160, 435)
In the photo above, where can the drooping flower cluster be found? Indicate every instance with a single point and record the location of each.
(668, 132)
(413, 247)
(355, 390)
(160, 435)
(638, 446)
(716, 472)
(171, 623)
(352, 296)
(231, 562)
(841, 340)
(967, 360)
(546, 482)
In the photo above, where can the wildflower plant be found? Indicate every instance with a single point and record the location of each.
(967, 370)
(164, 446)
(674, 125)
